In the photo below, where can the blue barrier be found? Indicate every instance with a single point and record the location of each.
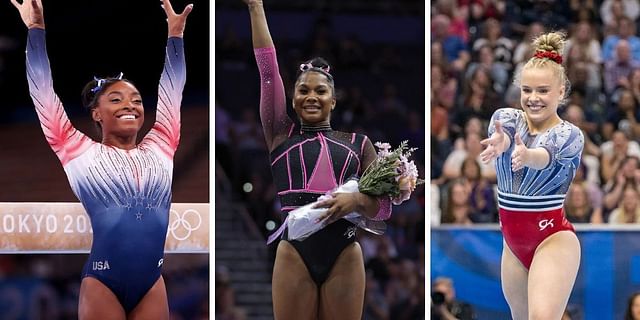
(609, 269)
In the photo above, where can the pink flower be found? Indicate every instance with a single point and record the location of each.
(407, 183)
(383, 149)
(383, 146)
(402, 197)
(398, 170)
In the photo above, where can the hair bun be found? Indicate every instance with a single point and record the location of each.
(316, 63)
(552, 41)
(319, 62)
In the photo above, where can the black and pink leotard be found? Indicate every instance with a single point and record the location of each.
(309, 163)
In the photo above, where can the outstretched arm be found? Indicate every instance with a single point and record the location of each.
(165, 132)
(273, 113)
(64, 139)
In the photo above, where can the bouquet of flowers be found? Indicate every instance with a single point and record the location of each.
(390, 174)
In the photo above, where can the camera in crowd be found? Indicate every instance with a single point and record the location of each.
(437, 298)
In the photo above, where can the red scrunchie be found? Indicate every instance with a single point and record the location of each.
(549, 55)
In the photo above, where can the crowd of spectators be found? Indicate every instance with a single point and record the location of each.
(380, 92)
(478, 46)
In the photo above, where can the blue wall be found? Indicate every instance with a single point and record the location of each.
(609, 270)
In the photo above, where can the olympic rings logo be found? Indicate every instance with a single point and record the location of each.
(184, 225)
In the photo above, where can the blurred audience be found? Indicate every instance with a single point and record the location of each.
(458, 210)
(578, 208)
(629, 209)
(482, 198)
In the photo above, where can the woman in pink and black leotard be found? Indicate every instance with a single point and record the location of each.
(323, 276)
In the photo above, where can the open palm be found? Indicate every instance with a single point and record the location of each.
(176, 22)
(30, 12)
(494, 144)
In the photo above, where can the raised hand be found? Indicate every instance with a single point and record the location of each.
(519, 156)
(30, 12)
(176, 22)
(495, 145)
(252, 2)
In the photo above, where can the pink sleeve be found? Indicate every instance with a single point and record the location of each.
(67, 142)
(273, 106)
(384, 212)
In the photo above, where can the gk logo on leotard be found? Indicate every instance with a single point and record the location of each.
(350, 232)
(543, 224)
(183, 225)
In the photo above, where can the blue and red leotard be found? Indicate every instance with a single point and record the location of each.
(531, 201)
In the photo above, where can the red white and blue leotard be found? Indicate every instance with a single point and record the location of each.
(309, 163)
(531, 201)
(126, 193)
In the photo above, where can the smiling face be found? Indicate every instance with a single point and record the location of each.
(540, 93)
(314, 98)
(119, 110)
